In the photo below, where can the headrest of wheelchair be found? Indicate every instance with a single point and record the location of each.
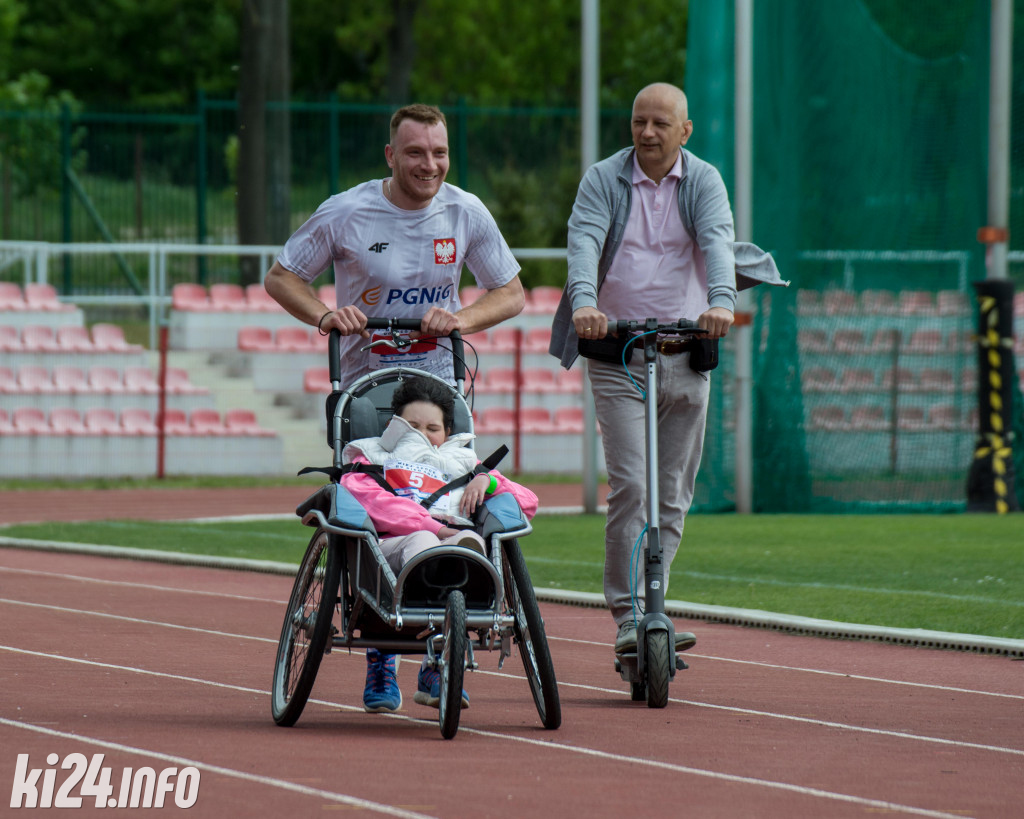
(366, 420)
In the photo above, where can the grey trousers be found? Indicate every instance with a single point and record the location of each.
(682, 412)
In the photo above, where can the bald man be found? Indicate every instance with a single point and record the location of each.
(650, 236)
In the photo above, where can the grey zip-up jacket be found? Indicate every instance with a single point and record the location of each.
(598, 221)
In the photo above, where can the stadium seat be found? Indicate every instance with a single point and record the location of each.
(39, 339)
(499, 340)
(106, 380)
(228, 298)
(293, 339)
(924, 341)
(952, 303)
(179, 383)
(808, 302)
(536, 421)
(537, 339)
(206, 422)
(812, 341)
(140, 380)
(883, 340)
(829, 417)
(243, 422)
(495, 421)
(10, 339)
(879, 302)
(70, 380)
(498, 379)
(819, 379)
(255, 339)
(101, 421)
(6, 427)
(8, 381)
(67, 421)
(74, 338)
(945, 417)
(175, 422)
(110, 338)
(316, 379)
(42, 296)
(905, 379)
(137, 421)
(542, 300)
(961, 341)
(568, 420)
(910, 418)
(839, 302)
(36, 379)
(868, 419)
(848, 341)
(857, 379)
(258, 300)
(936, 379)
(11, 297)
(570, 380)
(189, 297)
(468, 295)
(30, 421)
(539, 379)
(917, 303)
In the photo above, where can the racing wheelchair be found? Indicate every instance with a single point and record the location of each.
(448, 602)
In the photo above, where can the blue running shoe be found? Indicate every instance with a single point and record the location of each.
(428, 687)
(382, 693)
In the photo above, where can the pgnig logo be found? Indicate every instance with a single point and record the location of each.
(411, 296)
(82, 778)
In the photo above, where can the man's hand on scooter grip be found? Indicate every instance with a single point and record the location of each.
(717, 321)
(589, 322)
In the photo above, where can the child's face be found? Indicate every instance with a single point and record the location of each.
(428, 419)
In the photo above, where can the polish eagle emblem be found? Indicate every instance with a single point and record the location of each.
(444, 251)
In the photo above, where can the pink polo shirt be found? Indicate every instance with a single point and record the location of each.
(655, 272)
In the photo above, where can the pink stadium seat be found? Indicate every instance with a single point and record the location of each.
(468, 295)
(917, 303)
(808, 302)
(36, 379)
(495, 421)
(501, 340)
(536, 421)
(829, 417)
(879, 302)
(924, 341)
(498, 380)
(293, 340)
(812, 341)
(848, 341)
(138, 421)
(819, 379)
(101, 421)
(945, 417)
(243, 422)
(936, 379)
(537, 340)
(8, 381)
(207, 422)
(39, 339)
(839, 302)
(40, 296)
(11, 297)
(905, 379)
(539, 379)
(570, 380)
(868, 419)
(6, 427)
(952, 303)
(175, 422)
(258, 300)
(106, 380)
(67, 421)
(883, 340)
(74, 338)
(178, 383)
(29, 421)
(316, 379)
(963, 341)
(542, 300)
(110, 337)
(910, 417)
(568, 420)
(10, 338)
(228, 298)
(858, 379)
(189, 297)
(328, 295)
(140, 380)
(255, 339)
(70, 380)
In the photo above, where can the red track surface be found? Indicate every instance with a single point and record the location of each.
(161, 666)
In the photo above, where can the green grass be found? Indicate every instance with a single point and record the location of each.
(956, 573)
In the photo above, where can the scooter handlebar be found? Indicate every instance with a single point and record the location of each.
(395, 324)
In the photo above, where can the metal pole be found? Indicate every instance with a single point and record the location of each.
(995, 234)
(742, 198)
(589, 135)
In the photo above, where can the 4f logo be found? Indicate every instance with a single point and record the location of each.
(444, 251)
(380, 247)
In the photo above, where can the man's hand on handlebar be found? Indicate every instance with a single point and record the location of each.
(717, 321)
(590, 322)
(347, 320)
(438, 322)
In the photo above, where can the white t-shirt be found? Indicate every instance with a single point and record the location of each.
(395, 263)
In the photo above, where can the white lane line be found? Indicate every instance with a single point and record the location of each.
(886, 680)
(273, 782)
(133, 585)
(874, 804)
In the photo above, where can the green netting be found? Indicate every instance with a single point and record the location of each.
(870, 141)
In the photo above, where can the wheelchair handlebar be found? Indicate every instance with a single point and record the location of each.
(394, 325)
(686, 327)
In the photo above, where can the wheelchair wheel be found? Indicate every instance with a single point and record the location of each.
(529, 635)
(306, 629)
(658, 670)
(453, 664)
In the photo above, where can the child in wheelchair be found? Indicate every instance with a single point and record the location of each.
(391, 476)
